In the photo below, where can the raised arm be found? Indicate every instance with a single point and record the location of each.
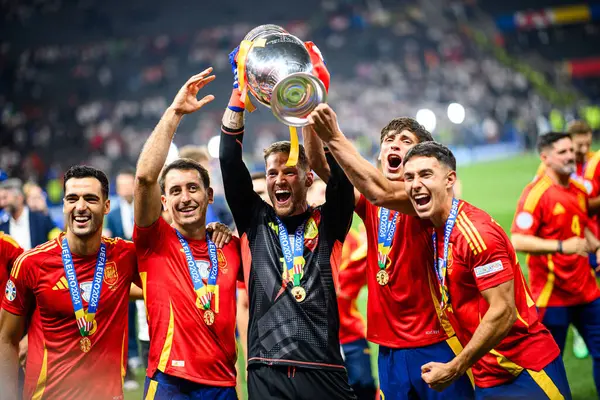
(237, 182)
(315, 153)
(364, 176)
(147, 206)
(11, 330)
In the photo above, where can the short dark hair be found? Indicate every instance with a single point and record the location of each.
(409, 124)
(432, 149)
(579, 128)
(284, 147)
(548, 139)
(184, 164)
(85, 171)
(126, 171)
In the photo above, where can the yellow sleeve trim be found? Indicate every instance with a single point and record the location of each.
(536, 193)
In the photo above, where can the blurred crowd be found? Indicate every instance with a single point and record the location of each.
(96, 102)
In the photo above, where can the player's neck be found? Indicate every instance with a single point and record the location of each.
(439, 218)
(194, 231)
(84, 246)
(562, 180)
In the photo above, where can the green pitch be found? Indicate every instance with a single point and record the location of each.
(496, 187)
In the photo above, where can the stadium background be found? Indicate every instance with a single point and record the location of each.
(84, 81)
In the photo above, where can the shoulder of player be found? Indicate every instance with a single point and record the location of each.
(118, 243)
(8, 240)
(534, 192)
(592, 165)
(35, 257)
(578, 186)
(233, 245)
(476, 228)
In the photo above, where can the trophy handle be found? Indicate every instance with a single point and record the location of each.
(296, 96)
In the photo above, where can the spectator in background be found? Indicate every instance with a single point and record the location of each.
(218, 210)
(29, 228)
(119, 223)
(4, 217)
(35, 198)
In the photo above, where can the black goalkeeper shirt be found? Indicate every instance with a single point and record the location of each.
(282, 331)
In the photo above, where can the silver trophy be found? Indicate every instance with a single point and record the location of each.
(279, 74)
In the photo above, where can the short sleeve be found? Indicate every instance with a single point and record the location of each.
(361, 207)
(591, 174)
(9, 250)
(18, 295)
(493, 264)
(147, 238)
(529, 214)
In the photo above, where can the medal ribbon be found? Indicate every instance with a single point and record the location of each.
(441, 268)
(293, 260)
(387, 229)
(204, 294)
(85, 321)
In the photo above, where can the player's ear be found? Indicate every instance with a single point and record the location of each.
(310, 178)
(211, 195)
(163, 200)
(106, 206)
(450, 179)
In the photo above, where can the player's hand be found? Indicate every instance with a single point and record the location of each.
(186, 101)
(323, 121)
(23, 348)
(576, 245)
(220, 233)
(439, 375)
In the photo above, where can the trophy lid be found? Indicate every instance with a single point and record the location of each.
(264, 30)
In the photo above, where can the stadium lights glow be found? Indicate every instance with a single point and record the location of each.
(456, 113)
(426, 117)
(173, 153)
(213, 146)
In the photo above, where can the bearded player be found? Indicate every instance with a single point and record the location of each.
(188, 283)
(483, 291)
(79, 285)
(402, 320)
(551, 224)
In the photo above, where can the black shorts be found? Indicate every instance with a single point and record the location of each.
(292, 383)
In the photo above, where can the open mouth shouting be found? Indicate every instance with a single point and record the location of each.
(394, 162)
(422, 201)
(283, 196)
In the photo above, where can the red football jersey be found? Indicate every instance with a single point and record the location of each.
(9, 251)
(56, 366)
(402, 314)
(351, 279)
(480, 257)
(551, 211)
(181, 343)
(591, 179)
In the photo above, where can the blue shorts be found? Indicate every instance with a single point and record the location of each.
(166, 387)
(358, 363)
(400, 373)
(549, 383)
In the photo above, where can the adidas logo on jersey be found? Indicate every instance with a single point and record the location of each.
(558, 209)
(62, 284)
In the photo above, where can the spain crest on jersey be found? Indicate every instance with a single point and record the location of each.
(311, 230)
(111, 275)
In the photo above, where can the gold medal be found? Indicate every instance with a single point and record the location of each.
(299, 293)
(209, 317)
(383, 277)
(85, 344)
